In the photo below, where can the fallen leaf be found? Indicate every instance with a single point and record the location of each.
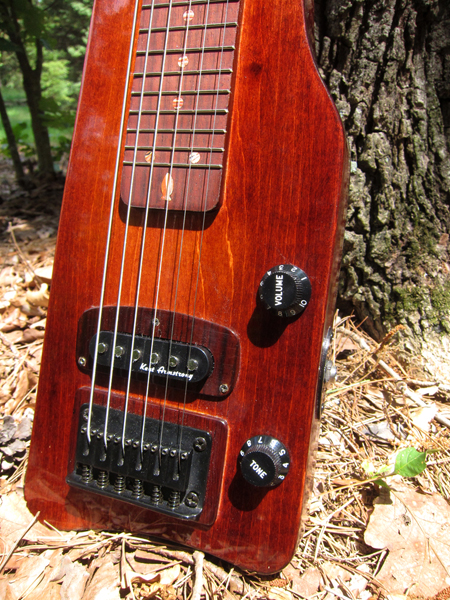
(415, 529)
(22, 385)
(423, 416)
(28, 575)
(31, 335)
(74, 582)
(308, 584)
(104, 584)
(44, 273)
(15, 518)
(13, 336)
(277, 593)
(334, 571)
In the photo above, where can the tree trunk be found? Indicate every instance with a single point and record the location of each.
(31, 81)
(12, 144)
(387, 65)
(32, 86)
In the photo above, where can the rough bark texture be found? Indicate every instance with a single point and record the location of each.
(387, 64)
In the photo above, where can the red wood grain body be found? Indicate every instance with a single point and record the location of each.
(282, 202)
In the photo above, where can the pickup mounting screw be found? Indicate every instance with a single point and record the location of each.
(223, 388)
(191, 500)
(199, 444)
(82, 361)
(192, 364)
(173, 361)
(119, 351)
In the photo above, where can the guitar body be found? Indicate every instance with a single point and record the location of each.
(174, 399)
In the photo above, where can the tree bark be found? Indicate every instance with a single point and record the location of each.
(31, 83)
(387, 65)
(12, 144)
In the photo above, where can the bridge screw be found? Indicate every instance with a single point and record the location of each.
(199, 444)
(192, 500)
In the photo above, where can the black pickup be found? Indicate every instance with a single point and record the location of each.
(162, 358)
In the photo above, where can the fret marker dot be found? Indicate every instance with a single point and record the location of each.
(148, 157)
(188, 15)
(194, 157)
(183, 61)
(178, 102)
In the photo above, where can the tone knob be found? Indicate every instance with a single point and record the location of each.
(264, 461)
(285, 289)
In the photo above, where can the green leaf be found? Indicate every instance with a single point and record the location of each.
(410, 462)
(7, 46)
(382, 483)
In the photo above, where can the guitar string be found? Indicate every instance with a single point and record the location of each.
(143, 243)
(159, 270)
(204, 213)
(110, 222)
(162, 421)
(185, 201)
(172, 158)
(119, 300)
(119, 292)
(135, 316)
(180, 429)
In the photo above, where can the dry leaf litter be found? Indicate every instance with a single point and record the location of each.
(360, 540)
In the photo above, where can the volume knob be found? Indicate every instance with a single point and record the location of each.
(285, 289)
(264, 461)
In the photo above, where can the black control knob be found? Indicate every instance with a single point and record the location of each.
(286, 290)
(264, 461)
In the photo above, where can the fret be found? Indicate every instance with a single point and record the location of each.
(198, 49)
(186, 3)
(186, 72)
(176, 149)
(201, 26)
(203, 111)
(182, 93)
(168, 165)
(188, 131)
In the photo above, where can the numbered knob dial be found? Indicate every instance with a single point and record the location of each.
(264, 461)
(286, 290)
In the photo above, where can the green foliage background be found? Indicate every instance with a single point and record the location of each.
(62, 27)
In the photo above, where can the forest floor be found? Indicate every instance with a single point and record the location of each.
(379, 518)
